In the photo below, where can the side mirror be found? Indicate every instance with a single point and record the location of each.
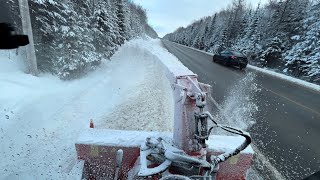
(9, 40)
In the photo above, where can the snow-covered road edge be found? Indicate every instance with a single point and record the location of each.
(287, 78)
(297, 81)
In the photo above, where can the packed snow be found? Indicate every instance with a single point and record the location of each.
(41, 117)
(217, 143)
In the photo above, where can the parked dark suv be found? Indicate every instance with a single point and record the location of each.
(231, 58)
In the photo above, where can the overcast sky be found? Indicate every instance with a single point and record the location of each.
(165, 16)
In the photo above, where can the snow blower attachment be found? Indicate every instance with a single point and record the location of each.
(189, 153)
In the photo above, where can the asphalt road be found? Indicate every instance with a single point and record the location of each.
(5, 12)
(287, 128)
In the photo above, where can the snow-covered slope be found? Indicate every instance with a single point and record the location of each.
(41, 117)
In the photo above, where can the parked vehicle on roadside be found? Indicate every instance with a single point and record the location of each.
(231, 58)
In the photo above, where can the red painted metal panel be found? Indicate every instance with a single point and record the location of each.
(234, 168)
(100, 162)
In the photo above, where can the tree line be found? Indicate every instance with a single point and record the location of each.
(72, 37)
(283, 35)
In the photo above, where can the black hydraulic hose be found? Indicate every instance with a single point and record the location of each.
(223, 157)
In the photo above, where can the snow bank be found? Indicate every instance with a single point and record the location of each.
(168, 62)
(151, 108)
(41, 117)
(10, 62)
(208, 53)
(287, 78)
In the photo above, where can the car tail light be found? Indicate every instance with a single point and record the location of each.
(233, 57)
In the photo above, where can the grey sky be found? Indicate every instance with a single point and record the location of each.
(167, 15)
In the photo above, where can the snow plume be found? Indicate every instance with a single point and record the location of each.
(239, 107)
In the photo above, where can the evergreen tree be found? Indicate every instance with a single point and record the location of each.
(121, 21)
(72, 37)
(281, 34)
(304, 57)
(272, 52)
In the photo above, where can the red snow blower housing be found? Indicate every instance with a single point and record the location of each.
(191, 152)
